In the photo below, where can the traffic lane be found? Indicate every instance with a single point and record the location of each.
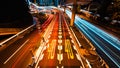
(9, 49)
(49, 59)
(6, 53)
(68, 60)
(105, 48)
(30, 50)
(91, 58)
(69, 52)
(106, 45)
(50, 52)
(84, 51)
(111, 51)
(47, 22)
(76, 23)
(106, 37)
(19, 55)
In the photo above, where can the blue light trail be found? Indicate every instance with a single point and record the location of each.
(105, 42)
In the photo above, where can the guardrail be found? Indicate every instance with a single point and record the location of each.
(16, 35)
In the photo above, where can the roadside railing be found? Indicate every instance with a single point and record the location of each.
(8, 41)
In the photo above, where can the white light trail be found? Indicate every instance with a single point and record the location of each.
(16, 51)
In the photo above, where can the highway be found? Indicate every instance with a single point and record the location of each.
(107, 45)
(54, 45)
(19, 54)
(59, 52)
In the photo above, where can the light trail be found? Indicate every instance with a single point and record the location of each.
(107, 37)
(39, 53)
(16, 51)
(107, 43)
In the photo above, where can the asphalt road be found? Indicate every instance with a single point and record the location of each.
(19, 54)
(60, 52)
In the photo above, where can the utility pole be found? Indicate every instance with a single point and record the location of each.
(73, 12)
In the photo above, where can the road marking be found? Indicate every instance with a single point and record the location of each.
(41, 57)
(62, 66)
(60, 57)
(57, 66)
(78, 57)
(49, 36)
(60, 28)
(70, 36)
(76, 37)
(39, 52)
(74, 47)
(16, 51)
(47, 41)
(59, 41)
(51, 49)
(88, 63)
(59, 47)
(59, 32)
(72, 41)
(68, 49)
(60, 36)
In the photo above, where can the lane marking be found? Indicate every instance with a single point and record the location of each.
(60, 33)
(51, 49)
(16, 51)
(88, 63)
(60, 47)
(60, 57)
(68, 49)
(59, 41)
(62, 66)
(60, 36)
